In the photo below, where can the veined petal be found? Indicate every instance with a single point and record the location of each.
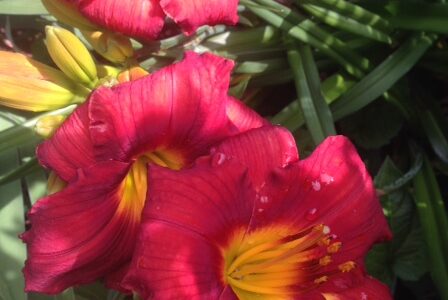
(142, 19)
(262, 150)
(369, 289)
(194, 13)
(178, 248)
(243, 117)
(81, 233)
(180, 109)
(70, 148)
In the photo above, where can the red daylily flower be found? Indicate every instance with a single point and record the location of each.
(144, 19)
(88, 230)
(276, 229)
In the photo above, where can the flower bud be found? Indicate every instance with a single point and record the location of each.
(71, 56)
(131, 74)
(46, 126)
(68, 14)
(29, 85)
(113, 47)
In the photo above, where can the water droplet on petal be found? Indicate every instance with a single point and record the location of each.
(311, 214)
(218, 159)
(364, 296)
(327, 179)
(264, 199)
(260, 210)
(316, 185)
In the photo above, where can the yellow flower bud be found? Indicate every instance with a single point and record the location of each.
(71, 56)
(68, 14)
(107, 71)
(131, 74)
(47, 125)
(111, 46)
(29, 85)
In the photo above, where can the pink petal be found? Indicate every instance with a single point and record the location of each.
(189, 15)
(369, 289)
(70, 148)
(243, 117)
(330, 187)
(181, 108)
(78, 235)
(261, 150)
(142, 19)
(188, 216)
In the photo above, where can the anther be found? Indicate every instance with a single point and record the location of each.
(335, 247)
(347, 266)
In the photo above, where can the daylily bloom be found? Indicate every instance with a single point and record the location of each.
(169, 118)
(144, 19)
(252, 222)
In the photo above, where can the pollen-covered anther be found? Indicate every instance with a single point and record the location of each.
(321, 279)
(326, 260)
(347, 266)
(334, 248)
(325, 241)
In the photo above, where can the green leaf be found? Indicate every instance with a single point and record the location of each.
(305, 31)
(405, 253)
(290, 117)
(432, 216)
(346, 23)
(435, 135)
(238, 90)
(420, 16)
(28, 167)
(334, 86)
(317, 114)
(364, 128)
(22, 7)
(351, 10)
(411, 259)
(383, 77)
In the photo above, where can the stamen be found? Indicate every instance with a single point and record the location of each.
(326, 260)
(334, 248)
(347, 266)
(321, 279)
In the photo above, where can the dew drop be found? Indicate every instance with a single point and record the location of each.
(311, 214)
(218, 159)
(316, 185)
(260, 210)
(364, 296)
(327, 179)
(264, 199)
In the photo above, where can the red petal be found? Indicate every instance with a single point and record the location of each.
(188, 216)
(189, 15)
(70, 148)
(369, 289)
(142, 19)
(181, 108)
(243, 117)
(77, 235)
(261, 150)
(330, 187)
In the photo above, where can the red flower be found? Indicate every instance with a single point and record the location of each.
(279, 229)
(88, 230)
(145, 19)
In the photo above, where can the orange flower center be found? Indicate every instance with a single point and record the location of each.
(275, 263)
